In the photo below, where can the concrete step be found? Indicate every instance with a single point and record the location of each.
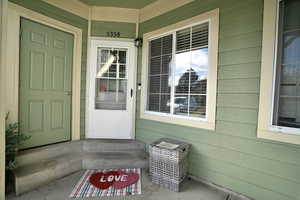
(108, 145)
(115, 160)
(44, 164)
(90, 145)
(47, 152)
(31, 176)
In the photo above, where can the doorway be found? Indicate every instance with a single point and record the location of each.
(46, 60)
(111, 90)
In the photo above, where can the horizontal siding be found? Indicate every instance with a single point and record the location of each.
(100, 28)
(239, 71)
(232, 155)
(74, 20)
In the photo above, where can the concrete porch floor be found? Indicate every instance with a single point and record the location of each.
(61, 188)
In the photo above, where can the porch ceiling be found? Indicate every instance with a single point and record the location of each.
(119, 3)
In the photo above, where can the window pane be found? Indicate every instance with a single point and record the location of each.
(183, 40)
(159, 79)
(122, 57)
(182, 72)
(111, 94)
(153, 102)
(155, 47)
(165, 103)
(200, 36)
(167, 44)
(197, 107)
(111, 91)
(287, 90)
(155, 64)
(154, 84)
(199, 70)
(181, 103)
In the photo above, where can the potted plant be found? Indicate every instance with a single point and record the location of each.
(13, 139)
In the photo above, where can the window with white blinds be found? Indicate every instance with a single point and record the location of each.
(178, 72)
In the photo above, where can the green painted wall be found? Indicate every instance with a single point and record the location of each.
(100, 28)
(74, 20)
(119, 3)
(232, 155)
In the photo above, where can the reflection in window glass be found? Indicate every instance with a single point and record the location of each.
(191, 80)
(111, 79)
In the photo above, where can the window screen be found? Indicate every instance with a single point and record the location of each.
(287, 81)
(177, 78)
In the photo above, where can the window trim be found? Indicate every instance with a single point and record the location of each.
(209, 122)
(265, 128)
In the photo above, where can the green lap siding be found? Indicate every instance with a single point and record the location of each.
(101, 28)
(74, 20)
(232, 155)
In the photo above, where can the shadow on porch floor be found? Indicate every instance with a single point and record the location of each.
(61, 188)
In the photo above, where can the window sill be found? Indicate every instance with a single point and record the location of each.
(278, 136)
(195, 123)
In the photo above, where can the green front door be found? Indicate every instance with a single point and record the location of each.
(45, 84)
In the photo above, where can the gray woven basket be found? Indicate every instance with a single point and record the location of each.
(168, 167)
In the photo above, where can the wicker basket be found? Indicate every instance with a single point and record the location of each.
(168, 167)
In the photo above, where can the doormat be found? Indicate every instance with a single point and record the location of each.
(108, 183)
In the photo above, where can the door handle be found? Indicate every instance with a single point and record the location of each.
(131, 92)
(69, 93)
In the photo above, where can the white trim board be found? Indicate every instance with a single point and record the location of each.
(75, 7)
(3, 39)
(15, 12)
(129, 15)
(160, 7)
(109, 14)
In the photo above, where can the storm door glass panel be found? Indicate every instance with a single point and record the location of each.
(159, 76)
(111, 79)
(191, 68)
(287, 87)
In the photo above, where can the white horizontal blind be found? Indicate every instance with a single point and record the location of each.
(191, 38)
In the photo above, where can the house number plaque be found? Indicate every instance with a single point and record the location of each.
(113, 34)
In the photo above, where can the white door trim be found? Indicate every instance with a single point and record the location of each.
(3, 23)
(88, 80)
(15, 12)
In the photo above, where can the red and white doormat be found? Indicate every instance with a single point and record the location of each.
(110, 182)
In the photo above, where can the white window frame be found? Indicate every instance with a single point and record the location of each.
(265, 128)
(206, 123)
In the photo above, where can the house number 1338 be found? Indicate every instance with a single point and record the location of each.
(113, 34)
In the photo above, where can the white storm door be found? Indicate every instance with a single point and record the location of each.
(111, 90)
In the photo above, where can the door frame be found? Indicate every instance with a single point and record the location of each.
(88, 78)
(3, 38)
(15, 13)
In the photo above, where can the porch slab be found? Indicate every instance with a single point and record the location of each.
(60, 189)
